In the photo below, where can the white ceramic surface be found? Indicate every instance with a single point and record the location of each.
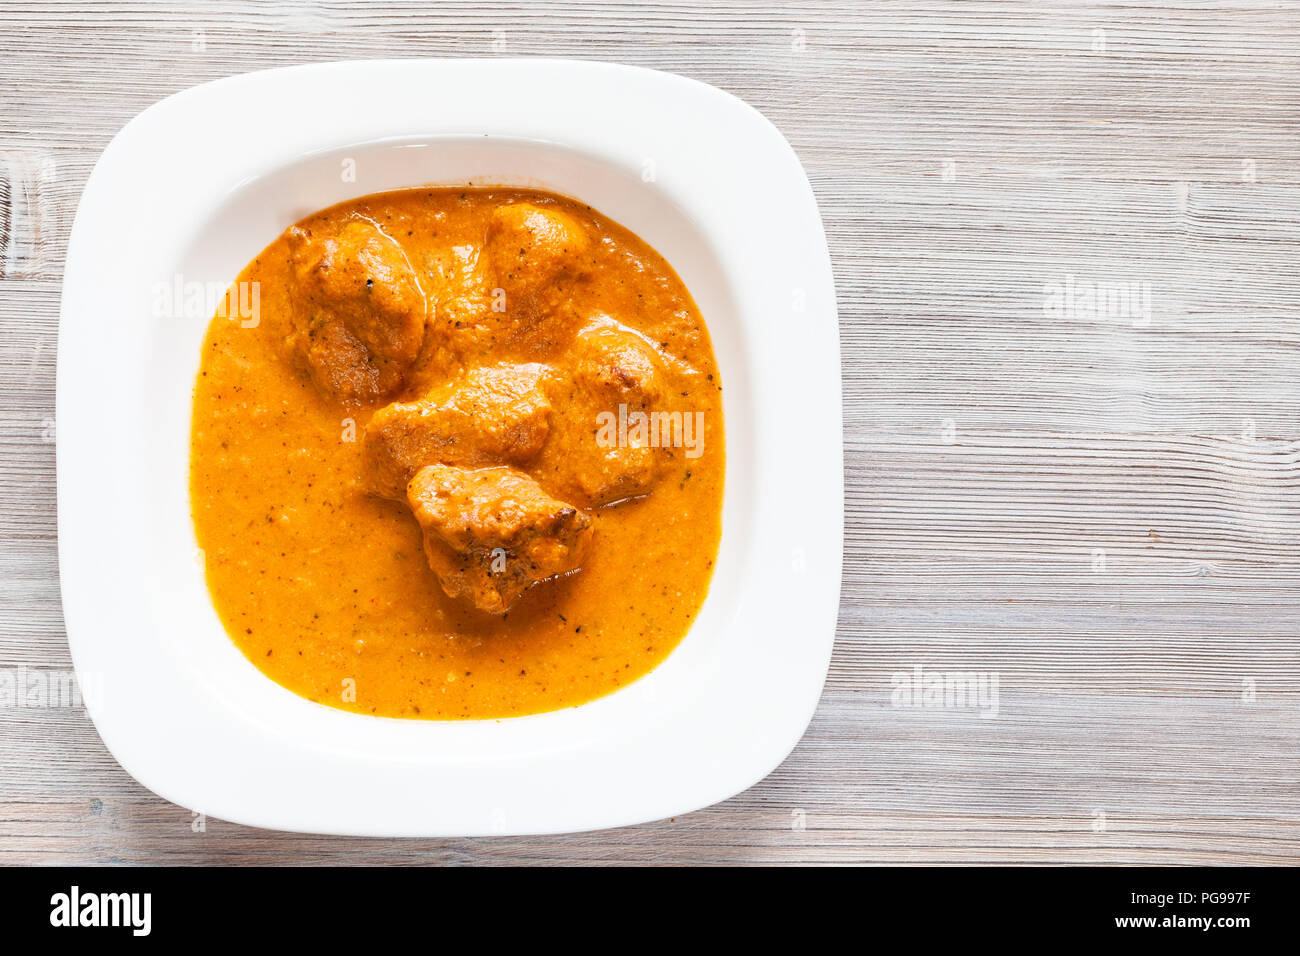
(195, 187)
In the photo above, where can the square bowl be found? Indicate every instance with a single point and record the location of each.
(196, 186)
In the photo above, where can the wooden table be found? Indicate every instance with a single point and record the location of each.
(1098, 506)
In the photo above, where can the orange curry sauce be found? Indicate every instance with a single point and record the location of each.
(326, 588)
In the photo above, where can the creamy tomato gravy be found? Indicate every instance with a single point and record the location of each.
(326, 585)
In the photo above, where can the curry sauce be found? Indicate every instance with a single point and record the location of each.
(429, 479)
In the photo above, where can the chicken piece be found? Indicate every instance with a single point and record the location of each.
(491, 534)
(509, 296)
(487, 416)
(534, 251)
(591, 455)
(359, 314)
(462, 326)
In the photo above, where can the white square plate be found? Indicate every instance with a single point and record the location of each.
(197, 185)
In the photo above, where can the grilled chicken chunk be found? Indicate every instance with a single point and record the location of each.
(487, 416)
(492, 533)
(614, 373)
(532, 249)
(536, 255)
(359, 314)
(506, 297)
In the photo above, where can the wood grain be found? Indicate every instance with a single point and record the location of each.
(1102, 511)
